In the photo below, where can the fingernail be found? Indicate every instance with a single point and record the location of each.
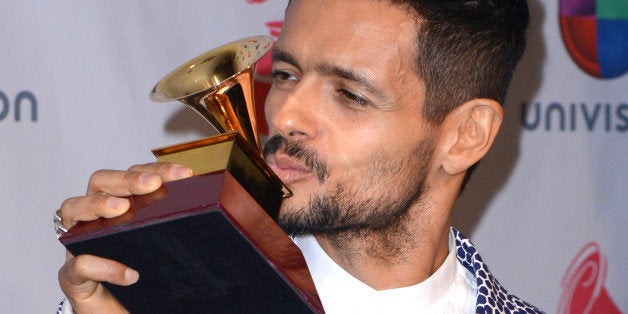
(131, 276)
(181, 171)
(147, 178)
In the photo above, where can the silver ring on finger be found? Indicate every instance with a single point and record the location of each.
(59, 227)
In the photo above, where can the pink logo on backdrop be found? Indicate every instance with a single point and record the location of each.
(583, 284)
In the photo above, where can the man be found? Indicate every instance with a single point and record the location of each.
(377, 112)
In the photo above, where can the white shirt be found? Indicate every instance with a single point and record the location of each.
(451, 289)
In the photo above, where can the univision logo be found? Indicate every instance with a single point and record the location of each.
(596, 35)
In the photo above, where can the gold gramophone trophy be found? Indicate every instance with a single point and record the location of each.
(208, 244)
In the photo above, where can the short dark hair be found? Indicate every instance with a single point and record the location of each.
(467, 49)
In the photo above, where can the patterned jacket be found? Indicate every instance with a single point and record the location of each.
(491, 296)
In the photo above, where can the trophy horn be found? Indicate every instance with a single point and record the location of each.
(218, 85)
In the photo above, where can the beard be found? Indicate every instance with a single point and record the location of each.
(376, 201)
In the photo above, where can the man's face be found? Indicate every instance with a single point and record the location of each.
(344, 112)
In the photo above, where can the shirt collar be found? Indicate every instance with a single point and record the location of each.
(340, 292)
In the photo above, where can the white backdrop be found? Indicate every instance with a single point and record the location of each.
(74, 80)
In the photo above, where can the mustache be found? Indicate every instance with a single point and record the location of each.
(299, 151)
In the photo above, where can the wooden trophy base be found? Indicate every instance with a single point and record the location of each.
(201, 245)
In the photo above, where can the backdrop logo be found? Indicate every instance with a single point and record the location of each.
(595, 33)
(575, 117)
(583, 284)
(12, 108)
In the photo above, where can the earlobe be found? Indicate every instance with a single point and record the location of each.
(473, 127)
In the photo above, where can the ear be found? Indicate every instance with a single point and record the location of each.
(468, 133)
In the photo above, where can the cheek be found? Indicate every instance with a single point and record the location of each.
(352, 157)
(357, 140)
(378, 153)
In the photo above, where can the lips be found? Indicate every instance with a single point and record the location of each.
(288, 169)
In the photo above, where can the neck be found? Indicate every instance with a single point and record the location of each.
(404, 254)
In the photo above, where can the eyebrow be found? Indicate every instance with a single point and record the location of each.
(284, 56)
(328, 69)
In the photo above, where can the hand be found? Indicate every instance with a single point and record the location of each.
(80, 276)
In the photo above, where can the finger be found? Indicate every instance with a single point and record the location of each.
(122, 183)
(139, 179)
(79, 276)
(91, 207)
(167, 171)
(107, 188)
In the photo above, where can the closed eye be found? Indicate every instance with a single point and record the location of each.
(353, 98)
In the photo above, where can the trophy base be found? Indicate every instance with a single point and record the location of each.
(201, 245)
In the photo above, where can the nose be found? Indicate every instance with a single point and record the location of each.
(292, 114)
